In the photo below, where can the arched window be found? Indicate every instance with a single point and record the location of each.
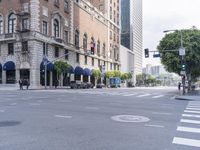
(11, 23)
(85, 42)
(1, 24)
(56, 28)
(98, 48)
(77, 39)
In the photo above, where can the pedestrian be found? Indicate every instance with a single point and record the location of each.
(20, 84)
(179, 86)
(27, 84)
(56, 83)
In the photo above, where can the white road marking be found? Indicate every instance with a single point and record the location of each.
(153, 125)
(187, 129)
(13, 104)
(188, 142)
(189, 108)
(188, 115)
(189, 111)
(2, 111)
(60, 116)
(34, 104)
(194, 106)
(143, 95)
(130, 94)
(161, 113)
(158, 96)
(190, 121)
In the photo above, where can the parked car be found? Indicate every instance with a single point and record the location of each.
(90, 85)
(100, 85)
(73, 85)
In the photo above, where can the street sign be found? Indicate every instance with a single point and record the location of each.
(182, 73)
(156, 55)
(182, 51)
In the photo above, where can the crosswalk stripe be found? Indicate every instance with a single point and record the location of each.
(185, 141)
(187, 129)
(189, 111)
(194, 106)
(189, 108)
(143, 95)
(188, 115)
(158, 96)
(190, 121)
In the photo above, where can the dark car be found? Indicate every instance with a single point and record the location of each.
(90, 85)
(99, 86)
(73, 85)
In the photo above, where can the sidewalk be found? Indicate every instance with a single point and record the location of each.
(193, 95)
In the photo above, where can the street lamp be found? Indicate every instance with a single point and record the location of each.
(181, 53)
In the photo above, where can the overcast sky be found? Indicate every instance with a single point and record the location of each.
(160, 15)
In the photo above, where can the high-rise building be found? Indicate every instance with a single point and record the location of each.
(131, 30)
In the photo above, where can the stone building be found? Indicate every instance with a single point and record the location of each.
(75, 31)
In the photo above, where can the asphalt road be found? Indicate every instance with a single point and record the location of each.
(66, 119)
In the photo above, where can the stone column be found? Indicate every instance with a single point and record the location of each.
(51, 79)
(81, 78)
(3, 77)
(34, 78)
(17, 75)
(71, 77)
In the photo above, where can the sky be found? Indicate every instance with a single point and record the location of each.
(160, 15)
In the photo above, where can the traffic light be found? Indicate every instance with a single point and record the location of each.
(183, 67)
(146, 52)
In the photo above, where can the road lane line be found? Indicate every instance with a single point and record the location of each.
(143, 95)
(187, 129)
(161, 113)
(13, 104)
(187, 142)
(190, 121)
(188, 115)
(154, 125)
(189, 111)
(158, 96)
(60, 116)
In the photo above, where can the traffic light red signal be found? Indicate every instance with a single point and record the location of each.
(146, 52)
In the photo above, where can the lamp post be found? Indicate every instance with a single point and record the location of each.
(181, 53)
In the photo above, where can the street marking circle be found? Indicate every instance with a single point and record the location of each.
(130, 118)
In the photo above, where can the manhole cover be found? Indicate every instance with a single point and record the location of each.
(130, 118)
(8, 123)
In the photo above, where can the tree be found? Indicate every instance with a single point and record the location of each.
(172, 60)
(61, 67)
(124, 76)
(117, 73)
(97, 75)
(109, 74)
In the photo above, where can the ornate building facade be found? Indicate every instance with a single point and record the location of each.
(76, 31)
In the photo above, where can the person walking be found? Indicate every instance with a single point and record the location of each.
(27, 84)
(179, 86)
(56, 83)
(20, 84)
